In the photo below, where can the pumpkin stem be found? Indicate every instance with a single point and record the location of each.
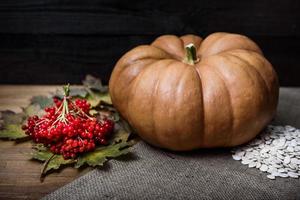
(191, 54)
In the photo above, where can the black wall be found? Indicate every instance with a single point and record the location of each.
(59, 41)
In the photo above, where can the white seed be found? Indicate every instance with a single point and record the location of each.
(277, 166)
(276, 161)
(252, 164)
(282, 141)
(268, 142)
(258, 165)
(288, 137)
(293, 175)
(290, 149)
(267, 137)
(235, 157)
(275, 173)
(290, 128)
(274, 136)
(283, 175)
(270, 176)
(246, 162)
(265, 150)
(240, 153)
(263, 168)
(287, 160)
(279, 156)
(271, 169)
(295, 161)
(297, 148)
(264, 155)
(280, 152)
(293, 166)
(281, 170)
(293, 143)
(276, 151)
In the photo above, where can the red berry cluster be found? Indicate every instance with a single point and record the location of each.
(83, 104)
(68, 129)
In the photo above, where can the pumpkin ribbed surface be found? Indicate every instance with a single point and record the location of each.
(225, 98)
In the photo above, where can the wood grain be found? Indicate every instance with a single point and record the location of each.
(117, 17)
(20, 176)
(49, 42)
(56, 59)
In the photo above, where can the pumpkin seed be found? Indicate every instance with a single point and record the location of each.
(270, 176)
(275, 151)
(281, 170)
(246, 162)
(258, 165)
(236, 157)
(263, 168)
(283, 175)
(287, 160)
(293, 174)
(252, 164)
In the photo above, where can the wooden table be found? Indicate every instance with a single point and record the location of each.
(20, 176)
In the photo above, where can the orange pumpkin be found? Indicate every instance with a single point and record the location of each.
(183, 93)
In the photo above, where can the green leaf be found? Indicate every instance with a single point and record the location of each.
(94, 83)
(52, 161)
(96, 98)
(93, 112)
(75, 91)
(125, 125)
(78, 92)
(11, 125)
(97, 92)
(12, 132)
(120, 135)
(56, 162)
(116, 116)
(10, 117)
(41, 155)
(100, 155)
(39, 147)
(34, 109)
(42, 101)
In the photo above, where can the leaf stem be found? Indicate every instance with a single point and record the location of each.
(45, 166)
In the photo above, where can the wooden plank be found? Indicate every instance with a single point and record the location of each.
(19, 176)
(13, 97)
(55, 59)
(116, 17)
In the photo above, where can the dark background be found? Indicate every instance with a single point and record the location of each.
(59, 41)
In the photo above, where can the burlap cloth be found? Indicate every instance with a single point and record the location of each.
(151, 173)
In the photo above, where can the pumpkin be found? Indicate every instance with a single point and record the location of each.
(184, 93)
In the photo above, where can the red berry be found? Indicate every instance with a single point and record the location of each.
(75, 143)
(103, 141)
(90, 135)
(68, 134)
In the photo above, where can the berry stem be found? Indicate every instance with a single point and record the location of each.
(64, 107)
(80, 110)
(67, 90)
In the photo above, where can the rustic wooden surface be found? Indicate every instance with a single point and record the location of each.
(49, 42)
(20, 176)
